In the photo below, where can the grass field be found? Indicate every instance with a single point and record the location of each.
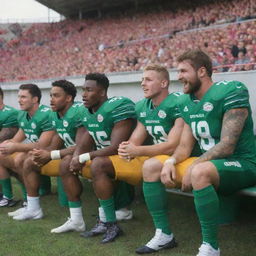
(34, 238)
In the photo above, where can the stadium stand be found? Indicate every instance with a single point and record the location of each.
(129, 42)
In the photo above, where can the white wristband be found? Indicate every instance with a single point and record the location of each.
(84, 157)
(55, 154)
(171, 160)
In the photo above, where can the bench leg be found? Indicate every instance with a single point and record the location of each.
(229, 208)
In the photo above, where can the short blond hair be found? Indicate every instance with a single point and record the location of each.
(159, 69)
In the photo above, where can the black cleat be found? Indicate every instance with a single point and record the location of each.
(158, 242)
(98, 229)
(112, 232)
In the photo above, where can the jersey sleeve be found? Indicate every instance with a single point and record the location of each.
(46, 122)
(11, 120)
(238, 97)
(122, 109)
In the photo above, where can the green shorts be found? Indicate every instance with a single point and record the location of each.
(235, 174)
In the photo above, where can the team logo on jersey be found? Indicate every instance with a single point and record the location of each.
(142, 114)
(85, 119)
(33, 125)
(65, 123)
(162, 114)
(185, 109)
(53, 123)
(100, 118)
(207, 107)
(21, 124)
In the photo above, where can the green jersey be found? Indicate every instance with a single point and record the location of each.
(67, 125)
(8, 117)
(158, 120)
(205, 116)
(35, 125)
(101, 123)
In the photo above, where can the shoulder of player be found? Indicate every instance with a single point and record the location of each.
(116, 102)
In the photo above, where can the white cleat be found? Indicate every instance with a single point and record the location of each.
(70, 225)
(17, 212)
(207, 250)
(29, 215)
(124, 214)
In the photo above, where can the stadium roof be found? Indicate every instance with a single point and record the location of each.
(79, 8)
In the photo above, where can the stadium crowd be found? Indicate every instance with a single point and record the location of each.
(130, 42)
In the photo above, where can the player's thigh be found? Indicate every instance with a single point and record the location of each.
(235, 174)
(51, 168)
(128, 171)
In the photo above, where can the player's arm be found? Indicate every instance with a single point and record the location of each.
(7, 133)
(232, 126)
(13, 146)
(182, 152)
(165, 148)
(137, 138)
(120, 132)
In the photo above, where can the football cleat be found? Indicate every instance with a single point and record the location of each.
(5, 202)
(124, 214)
(207, 250)
(99, 228)
(158, 242)
(70, 225)
(18, 211)
(112, 232)
(29, 215)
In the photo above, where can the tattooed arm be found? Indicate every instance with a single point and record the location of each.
(232, 126)
(7, 133)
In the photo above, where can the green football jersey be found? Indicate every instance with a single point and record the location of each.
(67, 125)
(158, 120)
(8, 117)
(205, 116)
(35, 125)
(101, 123)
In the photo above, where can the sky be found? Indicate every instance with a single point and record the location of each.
(25, 11)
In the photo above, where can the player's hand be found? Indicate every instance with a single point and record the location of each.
(75, 166)
(186, 181)
(40, 156)
(168, 175)
(127, 150)
(7, 147)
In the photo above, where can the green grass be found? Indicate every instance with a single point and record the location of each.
(34, 238)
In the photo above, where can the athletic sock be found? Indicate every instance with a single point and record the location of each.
(109, 209)
(7, 188)
(207, 207)
(156, 200)
(75, 209)
(24, 191)
(33, 203)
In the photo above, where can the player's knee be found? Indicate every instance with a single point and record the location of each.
(201, 173)
(100, 165)
(65, 165)
(19, 162)
(151, 169)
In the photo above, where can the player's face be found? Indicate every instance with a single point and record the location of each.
(26, 100)
(60, 100)
(151, 84)
(92, 94)
(188, 76)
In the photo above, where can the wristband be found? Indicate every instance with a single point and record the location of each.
(171, 160)
(84, 157)
(55, 154)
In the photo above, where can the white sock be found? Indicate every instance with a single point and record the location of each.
(33, 203)
(76, 214)
(102, 215)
